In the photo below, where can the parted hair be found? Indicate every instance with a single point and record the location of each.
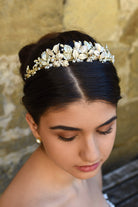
(60, 86)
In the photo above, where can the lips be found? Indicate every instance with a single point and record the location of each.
(88, 168)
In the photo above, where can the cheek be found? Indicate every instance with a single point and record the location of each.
(106, 145)
(58, 151)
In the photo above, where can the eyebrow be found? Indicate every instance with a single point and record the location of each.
(68, 128)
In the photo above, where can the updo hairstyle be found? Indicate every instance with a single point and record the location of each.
(60, 86)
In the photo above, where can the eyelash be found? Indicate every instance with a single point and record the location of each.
(106, 132)
(71, 138)
(66, 139)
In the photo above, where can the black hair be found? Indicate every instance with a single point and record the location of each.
(57, 87)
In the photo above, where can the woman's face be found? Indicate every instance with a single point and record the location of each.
(80, 134)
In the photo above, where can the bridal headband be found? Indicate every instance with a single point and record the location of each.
(62, 54)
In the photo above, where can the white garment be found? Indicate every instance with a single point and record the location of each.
(107, 200)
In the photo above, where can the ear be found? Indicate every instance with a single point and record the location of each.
(33, 126)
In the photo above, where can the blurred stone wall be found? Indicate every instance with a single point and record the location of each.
(21, 22)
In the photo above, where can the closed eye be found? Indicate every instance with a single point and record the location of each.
(66, 139)
(105, 132)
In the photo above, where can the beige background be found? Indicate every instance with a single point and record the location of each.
(21, 22)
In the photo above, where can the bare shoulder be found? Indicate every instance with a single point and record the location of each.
(17, 192)
(25, 188)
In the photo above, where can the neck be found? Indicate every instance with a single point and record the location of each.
(56, 176)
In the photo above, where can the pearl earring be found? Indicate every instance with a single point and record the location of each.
(38, 140)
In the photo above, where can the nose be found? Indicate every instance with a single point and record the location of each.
(89, 151)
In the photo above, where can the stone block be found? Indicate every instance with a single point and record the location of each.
(122, 63)
(22, 22)
(134, 61)
(1, 102)
(133, 85)
(127, 123)
(130, 30)
(127, 7)
(121, 155)
(97, 19)
(121, 53)
(4, 180)
(133, 77)
(125, 148)
(12, 113)
(10, 81)
(15, 145)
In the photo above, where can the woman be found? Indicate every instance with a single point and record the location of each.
(71, 91)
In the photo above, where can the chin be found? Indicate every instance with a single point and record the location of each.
(84, 175)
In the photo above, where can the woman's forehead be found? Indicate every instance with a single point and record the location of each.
(80, 112)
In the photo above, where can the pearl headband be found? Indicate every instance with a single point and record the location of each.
(61, 55)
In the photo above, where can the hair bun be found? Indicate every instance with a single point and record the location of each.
(24, 53)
